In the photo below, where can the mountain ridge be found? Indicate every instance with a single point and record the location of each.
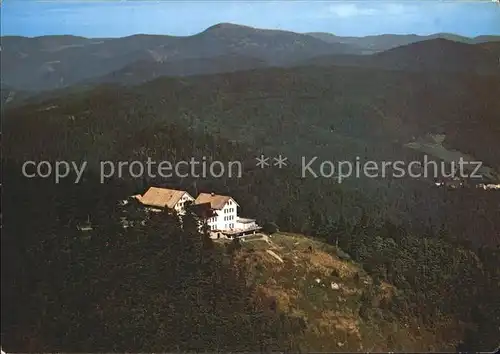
(438, 54)
(53, 62)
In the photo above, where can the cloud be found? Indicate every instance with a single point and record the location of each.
(350, 10)
(368, 9)
(60, 10)
(395, 9)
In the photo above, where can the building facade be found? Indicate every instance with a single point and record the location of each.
(219, 213)
(225, 211)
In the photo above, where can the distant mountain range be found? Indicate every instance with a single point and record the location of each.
(430, 55)
(373, 44)
(52, 62)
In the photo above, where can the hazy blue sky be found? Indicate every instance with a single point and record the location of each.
(121, 18)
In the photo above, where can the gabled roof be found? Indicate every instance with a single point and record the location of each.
(216, 201)
(203, 210)
(161, 197)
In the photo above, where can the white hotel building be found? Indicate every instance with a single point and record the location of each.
(224, 209)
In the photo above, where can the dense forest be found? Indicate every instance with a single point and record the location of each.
(159, 285)
(119, 289)
(236, 117)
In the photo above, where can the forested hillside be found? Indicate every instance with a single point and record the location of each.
(130, 289)
(157, 287)
(60, 61)
(337, 114)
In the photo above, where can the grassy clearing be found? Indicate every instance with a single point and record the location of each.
(326, 292)
(433, 146)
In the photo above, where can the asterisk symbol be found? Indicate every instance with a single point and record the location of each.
(280, 161)
(262, 161)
